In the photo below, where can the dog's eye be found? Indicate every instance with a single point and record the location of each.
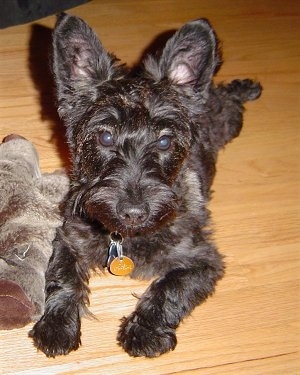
(106, 139)
(164, 143)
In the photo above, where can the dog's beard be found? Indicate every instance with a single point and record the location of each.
(100, 202)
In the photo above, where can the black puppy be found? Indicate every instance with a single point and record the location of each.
(144, 148)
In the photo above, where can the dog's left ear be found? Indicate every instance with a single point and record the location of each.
(80, 64)
(190, 58)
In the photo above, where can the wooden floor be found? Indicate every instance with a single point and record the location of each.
(251, 325)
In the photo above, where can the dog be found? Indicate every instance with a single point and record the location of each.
(144, 145)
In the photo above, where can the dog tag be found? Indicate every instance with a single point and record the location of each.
(117, 263)
(121, 266)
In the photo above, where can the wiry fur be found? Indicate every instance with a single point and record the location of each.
(154, 195)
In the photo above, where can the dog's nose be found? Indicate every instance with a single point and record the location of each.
(133, 214)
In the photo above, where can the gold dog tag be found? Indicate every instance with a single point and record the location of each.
(121, 266)
(117, 263)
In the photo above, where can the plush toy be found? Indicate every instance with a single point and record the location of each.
(29, 216)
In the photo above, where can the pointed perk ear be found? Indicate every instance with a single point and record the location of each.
(190, 58)
(80, 63)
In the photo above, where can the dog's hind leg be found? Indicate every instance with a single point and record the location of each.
(243, 89)
(223, 119)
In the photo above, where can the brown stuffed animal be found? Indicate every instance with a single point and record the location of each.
(29, 216)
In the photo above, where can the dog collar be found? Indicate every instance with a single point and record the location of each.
(117, 263)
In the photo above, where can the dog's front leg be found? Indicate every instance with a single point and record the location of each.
(150, 330)
(58, 331)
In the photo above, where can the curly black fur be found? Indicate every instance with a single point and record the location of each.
(144, 151)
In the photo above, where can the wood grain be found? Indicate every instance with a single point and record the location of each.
(251, 325)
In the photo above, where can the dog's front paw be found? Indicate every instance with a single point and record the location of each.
(140, 340)
(55, 337)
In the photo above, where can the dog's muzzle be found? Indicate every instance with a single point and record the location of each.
(133, 215)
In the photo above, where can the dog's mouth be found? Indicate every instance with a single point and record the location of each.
(130, 220)
(138, 227)
(130, 215)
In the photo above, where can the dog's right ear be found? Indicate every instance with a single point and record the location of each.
(189, 60)
(80, 64)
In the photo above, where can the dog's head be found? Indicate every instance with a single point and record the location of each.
(129, 136)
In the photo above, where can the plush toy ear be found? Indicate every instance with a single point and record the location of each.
(80, 63)
(16, 309)
(190, 57)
